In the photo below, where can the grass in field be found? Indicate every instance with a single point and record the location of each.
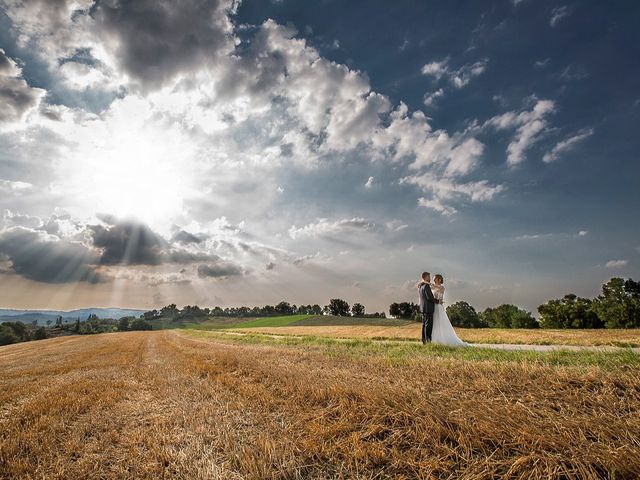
(188, 404)
(271, 321)
(395, 351)
(331, 320)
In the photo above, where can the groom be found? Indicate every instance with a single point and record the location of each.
(427, 306)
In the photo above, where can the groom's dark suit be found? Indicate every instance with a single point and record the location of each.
(427, 306)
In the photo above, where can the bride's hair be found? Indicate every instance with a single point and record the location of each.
(438, 277)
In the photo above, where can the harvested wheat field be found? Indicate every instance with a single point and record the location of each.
(188, 405)
(411, 331)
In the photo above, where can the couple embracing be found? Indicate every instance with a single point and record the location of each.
(436, 326)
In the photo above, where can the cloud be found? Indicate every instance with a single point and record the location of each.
(9, 187)
(583, 233)
(270, 266)
(16, 96)
(436, 69)
(45, 258)
(315, 258)
(185, 237)
(430, 99)
(571, 73)
(567, 145)
(457, 77)
(444, 190)
(529, 125)
(323, 227)
(541, 63)
(127, 243)
(220, 269)
(558, 14)
(616, 263)
(154, 41)
(370, 182)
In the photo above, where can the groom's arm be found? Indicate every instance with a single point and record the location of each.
(429, 293)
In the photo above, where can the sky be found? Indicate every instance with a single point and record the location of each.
(234, 152)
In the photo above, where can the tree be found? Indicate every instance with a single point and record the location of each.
(464, 315)
(338, 307)
(123, 324)
(77, 327)
(570, 311)
(508, 316)
(619, 304)
(170, 311)
(49, 322)
(357, 310)
(284, 308)
(404, 310)
(140, 324)
(151, 314)
(7, 335)
(40, 333)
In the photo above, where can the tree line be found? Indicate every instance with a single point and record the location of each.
(618, 306)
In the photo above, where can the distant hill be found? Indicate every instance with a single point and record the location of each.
(41, 316)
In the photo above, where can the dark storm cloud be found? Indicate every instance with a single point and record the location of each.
(185, 237)
(220, 269)
(16, 96)
(132, 243)
(128, 243)
(155, 40)
(40, 258)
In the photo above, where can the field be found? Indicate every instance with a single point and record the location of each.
(381, 328)
(203, 404)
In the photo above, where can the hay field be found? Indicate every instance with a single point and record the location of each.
(190, 404)
(411, 331)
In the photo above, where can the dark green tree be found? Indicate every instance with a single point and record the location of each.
(123, 324)
(508, 316)
(139, 324)
(40, 333)
(570, 311)
(619, 303)
(464, 315)
(338, 307)
(284, 308)
(357, 310)
(405, 310)
(7, 335)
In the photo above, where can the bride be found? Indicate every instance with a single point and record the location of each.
(443, 332)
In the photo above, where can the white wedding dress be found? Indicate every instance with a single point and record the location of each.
(443, 332)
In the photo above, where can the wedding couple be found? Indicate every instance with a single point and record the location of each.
(436, 326)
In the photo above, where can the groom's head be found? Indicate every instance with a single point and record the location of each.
(426, 277)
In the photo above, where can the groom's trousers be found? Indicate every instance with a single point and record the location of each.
(427, 326)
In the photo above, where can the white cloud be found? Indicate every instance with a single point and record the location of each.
(430, 98)
(529, 125)
(10, 187)
(616, 263)
(567, 145)
(436, 69)
(324, 227)
(558, 14)
(436, 205)
(445, 190)
(17, 97)
(370, 182)
(457, 77)
(541, 63)
(583, 233)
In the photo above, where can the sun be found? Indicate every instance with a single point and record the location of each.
(132, 168)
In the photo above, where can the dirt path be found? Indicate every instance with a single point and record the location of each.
(162, 405)
(495, 346)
